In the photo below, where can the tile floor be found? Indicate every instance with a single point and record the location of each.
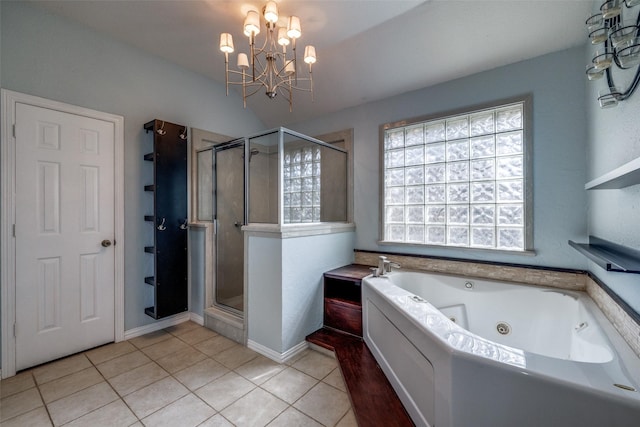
(185, 375)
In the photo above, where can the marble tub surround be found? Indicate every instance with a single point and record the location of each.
(556, 278)
(626, 326)
(185, 375)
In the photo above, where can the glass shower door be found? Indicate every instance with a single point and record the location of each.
(229, 210)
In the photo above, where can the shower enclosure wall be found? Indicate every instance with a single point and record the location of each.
(277, 180)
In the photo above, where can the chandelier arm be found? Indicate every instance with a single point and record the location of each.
(263, 70)
(258, 87)
(632, 87)
(239, 73)
(249, 83)
(286, 83)
(226, 69)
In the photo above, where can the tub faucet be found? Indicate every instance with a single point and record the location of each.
(384, 266)
(379, 270)
(389, 264)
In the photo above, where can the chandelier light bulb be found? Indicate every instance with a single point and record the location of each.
(310, 55)
(226, 43)
(283, 39)
(243, 61)
(294, 31)
(271, 12)
(252, 23)
(290, 68)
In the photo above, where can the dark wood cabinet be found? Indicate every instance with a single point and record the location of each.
(169, 219)
(343, 298)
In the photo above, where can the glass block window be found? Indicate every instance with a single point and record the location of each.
(301, 197)
(457, 180)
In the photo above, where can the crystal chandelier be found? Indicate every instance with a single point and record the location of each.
(618, 48)
(270, 67)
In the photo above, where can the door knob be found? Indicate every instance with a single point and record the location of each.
(106, 243)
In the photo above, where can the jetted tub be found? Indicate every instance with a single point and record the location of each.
(469, 352)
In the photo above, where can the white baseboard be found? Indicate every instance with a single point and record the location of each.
(196, 318)
(156, 326)
(274, 355)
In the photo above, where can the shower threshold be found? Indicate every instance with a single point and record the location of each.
(225, 323)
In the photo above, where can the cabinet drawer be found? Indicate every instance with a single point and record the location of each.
(343, 315)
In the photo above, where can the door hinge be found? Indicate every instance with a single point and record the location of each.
(14, 230)
(14, 331)
(14, 130)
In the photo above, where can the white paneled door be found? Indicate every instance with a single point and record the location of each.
(64, 205)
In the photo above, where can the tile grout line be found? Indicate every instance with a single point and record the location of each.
(46, 407)
(110, 386)
(192, 347)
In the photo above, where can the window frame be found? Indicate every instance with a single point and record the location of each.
(527, 122)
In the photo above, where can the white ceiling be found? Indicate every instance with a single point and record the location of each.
(367, 50)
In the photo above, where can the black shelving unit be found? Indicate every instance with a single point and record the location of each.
(169, 219)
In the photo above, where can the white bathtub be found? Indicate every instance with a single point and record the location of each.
(468, 352)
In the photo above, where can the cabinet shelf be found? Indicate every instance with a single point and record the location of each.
(151, 311)
(610, 256)
(621, 177)
(343, 298)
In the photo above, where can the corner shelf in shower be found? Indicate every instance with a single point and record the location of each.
(169, 247)
(610, 256)
(621, 177)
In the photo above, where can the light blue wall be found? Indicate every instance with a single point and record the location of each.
(304, 260)
(48, 56)
(284, 285)
(559, 144)
(613, 140)
(264, 291)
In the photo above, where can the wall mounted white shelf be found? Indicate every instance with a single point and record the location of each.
(621, 177)
(610, 256)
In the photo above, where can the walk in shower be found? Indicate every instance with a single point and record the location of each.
(272, 180)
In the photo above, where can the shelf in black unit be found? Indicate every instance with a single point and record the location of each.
(149, 157)
(151, 218)
(151, 311)
(150, 249)
(150, 280)
(609, 255)
(150, 187)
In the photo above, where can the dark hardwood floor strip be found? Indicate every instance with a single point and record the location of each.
(374, 401)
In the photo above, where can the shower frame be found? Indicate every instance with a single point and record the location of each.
(246, 142)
